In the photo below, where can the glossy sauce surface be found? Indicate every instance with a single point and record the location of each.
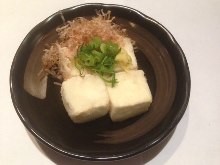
(152, 57)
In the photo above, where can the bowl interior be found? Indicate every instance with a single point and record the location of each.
(158, 54)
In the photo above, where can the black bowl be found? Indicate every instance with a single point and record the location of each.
(158, 54)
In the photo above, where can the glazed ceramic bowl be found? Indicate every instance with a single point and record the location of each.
(158, 54)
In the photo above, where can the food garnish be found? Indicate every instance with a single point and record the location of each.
(99, 57)
(57, 59)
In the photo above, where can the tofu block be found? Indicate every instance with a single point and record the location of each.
(66, 66)
(85, 98)
(130, 97)
(130, 50)
(126, 54)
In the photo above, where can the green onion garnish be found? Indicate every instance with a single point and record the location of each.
(99, 57)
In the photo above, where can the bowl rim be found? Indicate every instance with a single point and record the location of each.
(159, 139)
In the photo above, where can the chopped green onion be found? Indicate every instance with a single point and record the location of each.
(98, 57)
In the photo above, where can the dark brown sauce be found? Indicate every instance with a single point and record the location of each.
(152, 57)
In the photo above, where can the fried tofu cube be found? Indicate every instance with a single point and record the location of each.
(85, 98)
(130, 50)
(125, 59)
(130, 97)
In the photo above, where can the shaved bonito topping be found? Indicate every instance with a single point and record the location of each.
(76, 33)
